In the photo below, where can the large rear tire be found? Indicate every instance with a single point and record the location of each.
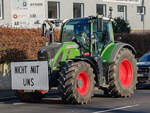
(76, 83)
(33, 97)
(123, 74)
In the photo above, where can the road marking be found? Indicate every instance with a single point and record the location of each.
(116, 109)
(18, 103)
(51, 98)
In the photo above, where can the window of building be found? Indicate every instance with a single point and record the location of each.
(122, 11)
(78, 10)
(101, 9)
(53, 10)
(141, 9)
(1, 9)
(121, 8)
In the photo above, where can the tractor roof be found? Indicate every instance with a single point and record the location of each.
(86, 19)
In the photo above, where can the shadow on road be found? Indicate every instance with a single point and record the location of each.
(50, 99)
(57, 106)
(54, 102)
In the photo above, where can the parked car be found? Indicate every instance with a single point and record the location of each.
(143, 65)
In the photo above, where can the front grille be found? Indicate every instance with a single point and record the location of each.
(142, 79)
(143, 70)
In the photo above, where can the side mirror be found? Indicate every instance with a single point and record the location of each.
(43, 29)
(99, 24)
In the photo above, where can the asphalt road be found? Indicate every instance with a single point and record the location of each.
(139, 103)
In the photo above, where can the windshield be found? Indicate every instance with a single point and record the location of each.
(145, 58)
(75, 28)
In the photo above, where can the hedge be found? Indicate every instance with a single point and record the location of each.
(141, 42)
(19, 44)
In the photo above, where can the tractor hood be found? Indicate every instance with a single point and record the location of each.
(48, 52)
(57, 53)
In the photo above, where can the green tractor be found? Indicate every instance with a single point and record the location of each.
(87, 57)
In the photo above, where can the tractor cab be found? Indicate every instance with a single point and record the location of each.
(92, 34)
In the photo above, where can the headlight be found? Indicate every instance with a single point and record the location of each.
(42, 56)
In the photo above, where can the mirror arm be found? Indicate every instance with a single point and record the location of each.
(100, 24)
(43, 30)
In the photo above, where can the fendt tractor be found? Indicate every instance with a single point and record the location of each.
(86, 57)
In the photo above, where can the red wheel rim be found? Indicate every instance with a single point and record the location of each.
(126, 73)
(83, 83)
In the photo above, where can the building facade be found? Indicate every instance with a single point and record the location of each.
(31, 13)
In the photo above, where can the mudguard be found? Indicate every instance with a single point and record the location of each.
(118, 47)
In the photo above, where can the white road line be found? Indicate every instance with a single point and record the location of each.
(116, 109)
(18, 103)
(51, 98)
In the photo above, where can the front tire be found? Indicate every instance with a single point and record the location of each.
(76, 83)
(123, 74)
